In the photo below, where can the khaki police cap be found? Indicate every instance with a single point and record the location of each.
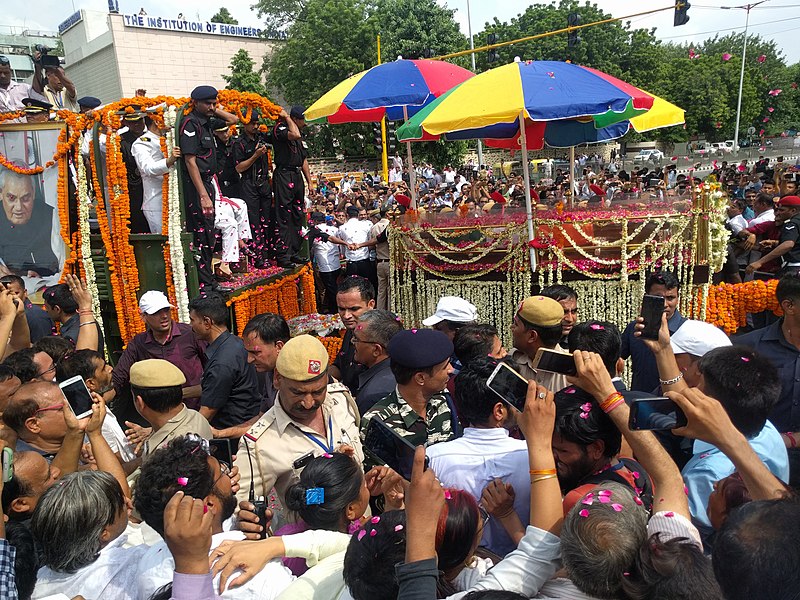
(302, 358)
(541, 311)
(156, 373)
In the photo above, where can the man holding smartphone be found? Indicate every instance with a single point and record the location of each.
(645, 371)
(250, 158)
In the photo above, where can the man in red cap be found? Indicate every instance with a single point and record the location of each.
(788, 250)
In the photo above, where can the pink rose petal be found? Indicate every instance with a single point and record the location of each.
(183, 481)
(448, 495)
(604, 493)
(373, 533)
(375, 520)
(617, 507)
(669, 514)
(361, 535)
(587, 501)
(604, 499)
(398, 528)
(569, 390)
(635, 474)
(638, 500)
(586, 407)
(584, 415)
(584, 513)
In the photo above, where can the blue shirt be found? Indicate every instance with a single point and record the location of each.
(770, 343)
(8, 583)
(645, 371)
(708, 465)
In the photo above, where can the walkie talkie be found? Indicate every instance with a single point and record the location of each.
(260, 505)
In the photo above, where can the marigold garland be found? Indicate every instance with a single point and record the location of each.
(165, 230)
(728, 304)
(279, 296)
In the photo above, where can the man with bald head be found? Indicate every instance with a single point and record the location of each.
(33, 476)
(45, 424)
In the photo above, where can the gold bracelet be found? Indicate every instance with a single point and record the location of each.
(542, 472)
(542, 478)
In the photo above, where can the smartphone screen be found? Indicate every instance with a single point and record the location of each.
(390, 449)
(555, 362)
(655, 414)
(652, 309)
(509, 385)
(77, 395)
(221, 450)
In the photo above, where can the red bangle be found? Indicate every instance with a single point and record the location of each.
(611, 402)
(792, 440)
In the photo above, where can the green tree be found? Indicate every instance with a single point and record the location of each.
(223, 16)
(242, 76)
(280, 14)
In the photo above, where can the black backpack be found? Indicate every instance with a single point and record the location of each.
(643, 483)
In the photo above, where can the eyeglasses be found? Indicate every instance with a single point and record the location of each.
(358, 341)
(484, 516)
(58, 406)
(46, 371)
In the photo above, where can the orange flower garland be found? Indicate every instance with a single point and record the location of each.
(333, 345)
(728, 304)
(63, 210)
(280, 296)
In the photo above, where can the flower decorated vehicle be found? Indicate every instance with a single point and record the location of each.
(79, 218)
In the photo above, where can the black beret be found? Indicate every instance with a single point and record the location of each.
(419, 348)
(298, 112)
(89, 102)
(204, 92)
(35, 105)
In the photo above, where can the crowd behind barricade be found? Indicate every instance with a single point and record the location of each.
(206, 464)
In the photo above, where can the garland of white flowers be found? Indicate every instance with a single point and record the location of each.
(84, 202)
(174, 226)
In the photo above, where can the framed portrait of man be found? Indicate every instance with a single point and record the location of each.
(31, 245)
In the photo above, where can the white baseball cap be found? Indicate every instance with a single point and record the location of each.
(697, 338)
(153, 301)
(452, 308)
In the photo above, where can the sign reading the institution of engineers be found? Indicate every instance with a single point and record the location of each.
(184, 26)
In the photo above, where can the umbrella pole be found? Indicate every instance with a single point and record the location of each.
(571, 197)
(412, 176)
(527, 179)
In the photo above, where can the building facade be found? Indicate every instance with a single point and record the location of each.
(111, 55)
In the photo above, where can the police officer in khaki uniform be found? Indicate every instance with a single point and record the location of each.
(537, 324)
(310, 417)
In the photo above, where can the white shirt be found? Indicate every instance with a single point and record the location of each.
(116, 438)
(152, 166)
(157, 565)
(356, 232)
(767, 215)
(11, 97)
(326, 254)
(475, 459)
(736, 223)
(111, 577)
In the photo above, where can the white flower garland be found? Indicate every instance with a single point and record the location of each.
(84, 202)
(174, 227)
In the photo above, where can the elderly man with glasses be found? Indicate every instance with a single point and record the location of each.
(370, 339)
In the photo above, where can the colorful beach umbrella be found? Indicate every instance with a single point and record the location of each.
(397, 89)
(532, 103)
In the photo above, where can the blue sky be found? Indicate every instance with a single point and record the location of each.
(775, 19)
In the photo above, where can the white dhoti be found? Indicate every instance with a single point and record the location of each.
(230, 217)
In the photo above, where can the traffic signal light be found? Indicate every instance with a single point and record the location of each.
(681, 13)
(391, 136)
(573, 20)
(376, 136)
(490, 40)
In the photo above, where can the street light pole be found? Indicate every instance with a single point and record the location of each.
(472, 56)
(747, 8)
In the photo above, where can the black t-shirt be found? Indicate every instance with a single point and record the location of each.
(197, 139)
(243, 149)
(790, 231)
(288, 153)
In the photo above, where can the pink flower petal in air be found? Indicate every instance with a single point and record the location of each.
(762, 58)
(766, 120)
(726, 57)
(775, 92)
(771, 109)
(584, 513)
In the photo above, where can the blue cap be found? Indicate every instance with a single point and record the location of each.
(89, 102)
(204, 92)
(419, 348)
(298, 112)
(36, 105)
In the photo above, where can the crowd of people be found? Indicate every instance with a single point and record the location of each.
(248, 466)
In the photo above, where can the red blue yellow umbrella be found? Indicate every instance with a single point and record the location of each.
(388, 89)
